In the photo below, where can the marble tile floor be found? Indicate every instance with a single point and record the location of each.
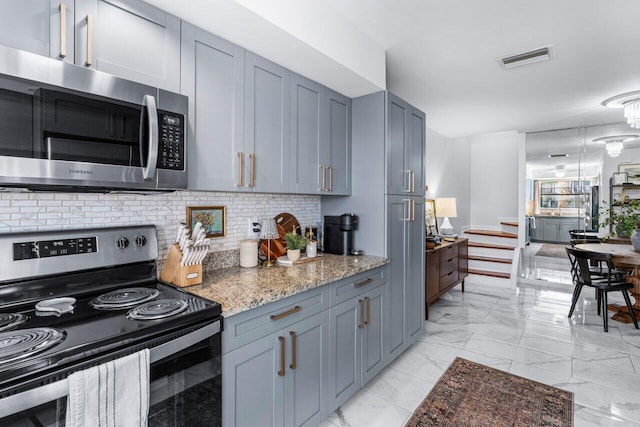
(547, 269)
(522, 329)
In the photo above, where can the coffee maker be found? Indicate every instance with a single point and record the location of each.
(339, 234)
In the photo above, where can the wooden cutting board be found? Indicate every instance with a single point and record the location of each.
(278, 248)
(288, 222)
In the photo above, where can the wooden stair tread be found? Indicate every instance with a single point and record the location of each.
(490, 259)
(489, 273)
(494, 233)
(511, 223)
(490, 246)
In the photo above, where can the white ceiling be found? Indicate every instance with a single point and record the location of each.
(441, 55)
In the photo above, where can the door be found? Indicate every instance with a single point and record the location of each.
(373, 352)
(414, 264)
(416, 152)
(253, 388)
(213, 79)
(338, 147)
(43, 27)
(308, 135)
(345, 351)
(267, 142)
(129, 39)
(307, 370)
(397, 211)
(396, 143)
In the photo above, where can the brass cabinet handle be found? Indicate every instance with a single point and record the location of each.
(361, 323)
(413, 182)
(252, 176)
(324, 178)
(282, 349)
(408, 206)
(368, 318)
(240, 172)
(293, 350)
(413, 210)
(63, 32)
(364, 282)
(295, 309)
(89, 60)
(330, 178)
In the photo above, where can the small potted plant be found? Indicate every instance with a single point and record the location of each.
(624, 217)
(295, 242)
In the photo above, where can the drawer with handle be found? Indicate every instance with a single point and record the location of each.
(448, 265)
(348, 288)
(253, 324)
(448, 279)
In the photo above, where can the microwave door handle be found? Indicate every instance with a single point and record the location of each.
(149, 110)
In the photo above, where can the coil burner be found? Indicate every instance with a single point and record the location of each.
(11, 320)
(157, 309)
(124, 298)
(23, 343)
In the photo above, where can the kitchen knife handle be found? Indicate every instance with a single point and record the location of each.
(63, 32)
(293, 349)
(361, 323)
(252, 176)
(240, 174)
(89, 60)
(330, 177)
(324, 178)
(282, 362)
(368, 318)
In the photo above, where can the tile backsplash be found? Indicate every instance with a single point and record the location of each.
(50, 211)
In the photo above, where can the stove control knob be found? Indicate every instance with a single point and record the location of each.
(122, 243)
(139, 241)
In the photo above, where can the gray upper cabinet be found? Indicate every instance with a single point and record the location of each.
(267, 128)
(129, 39)
(338, 147)
(43, 27)
(308, 135)
(405, 148)
(213, 79)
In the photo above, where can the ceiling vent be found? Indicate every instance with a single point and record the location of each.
(524, 58)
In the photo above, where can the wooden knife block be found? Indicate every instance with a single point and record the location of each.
(180, 275)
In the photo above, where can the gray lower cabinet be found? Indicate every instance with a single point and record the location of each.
(357, 342)
(267, 142)
(320, 139)
(406, 271)
(549, 229)
(129, 39)
(213, 79)
(34, 26)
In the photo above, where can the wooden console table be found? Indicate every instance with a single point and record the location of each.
(446, 266)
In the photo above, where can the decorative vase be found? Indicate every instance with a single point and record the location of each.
(312, 249)
(635, 239)
(293, 254)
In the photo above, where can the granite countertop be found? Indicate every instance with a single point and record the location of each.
(240, 289)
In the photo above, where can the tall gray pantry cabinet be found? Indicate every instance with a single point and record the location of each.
(389, 135)
(129, 39)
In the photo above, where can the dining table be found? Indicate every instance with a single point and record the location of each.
(626, 258)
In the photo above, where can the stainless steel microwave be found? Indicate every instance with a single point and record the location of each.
(63, 127)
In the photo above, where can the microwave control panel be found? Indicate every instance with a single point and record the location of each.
(172, 141)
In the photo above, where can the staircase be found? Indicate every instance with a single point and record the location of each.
(492, 252)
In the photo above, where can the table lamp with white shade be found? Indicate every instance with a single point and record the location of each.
(446, 208)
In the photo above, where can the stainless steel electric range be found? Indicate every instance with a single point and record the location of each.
(73, 299)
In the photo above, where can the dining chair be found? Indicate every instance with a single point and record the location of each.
(599, 268)
(582, 276)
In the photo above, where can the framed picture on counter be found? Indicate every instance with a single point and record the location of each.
(632, 170)
(213, 219)
(430, 217)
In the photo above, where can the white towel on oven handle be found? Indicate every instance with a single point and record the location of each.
(113, 394)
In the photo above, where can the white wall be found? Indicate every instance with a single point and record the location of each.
(448, 173)
(51, 211)
(494, 177)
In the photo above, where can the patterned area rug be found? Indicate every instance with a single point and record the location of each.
(553, 251)
(473, 395)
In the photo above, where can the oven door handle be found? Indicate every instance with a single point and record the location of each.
(38, 396)
(149, 111)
